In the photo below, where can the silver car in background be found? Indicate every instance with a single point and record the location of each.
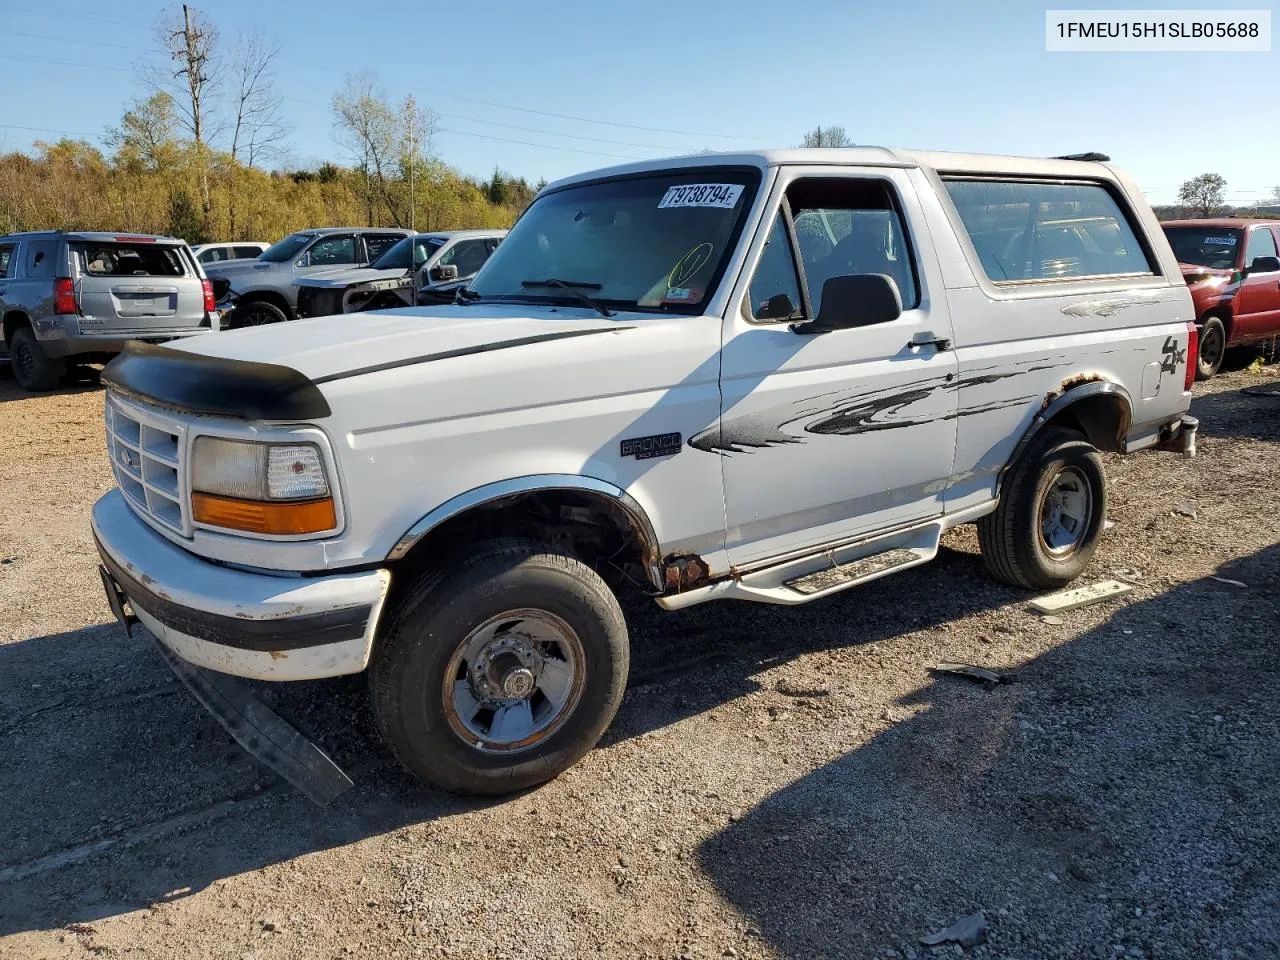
(262, 291)
(69, 297)
(208, 253)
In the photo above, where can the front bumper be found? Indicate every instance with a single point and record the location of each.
(234, 621)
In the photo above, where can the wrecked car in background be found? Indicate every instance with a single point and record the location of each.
(762, 376)
(1232, 269)
(262, 291)
(408, 272)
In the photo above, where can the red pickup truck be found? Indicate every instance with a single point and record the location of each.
(1233, 269)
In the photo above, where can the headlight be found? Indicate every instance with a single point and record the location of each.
(275, 488)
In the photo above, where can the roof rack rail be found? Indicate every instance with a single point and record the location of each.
(1089, 157)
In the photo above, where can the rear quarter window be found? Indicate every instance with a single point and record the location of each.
(1038, 230)
(130, 260)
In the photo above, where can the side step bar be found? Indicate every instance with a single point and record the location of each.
(823, 573)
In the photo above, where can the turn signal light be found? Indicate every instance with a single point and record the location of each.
(257, 516)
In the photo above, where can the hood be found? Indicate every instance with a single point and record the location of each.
(239, 268)
(331, 347)
(1194, 273)
(349, 276)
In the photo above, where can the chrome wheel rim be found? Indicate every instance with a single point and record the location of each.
(1065, 512)
(513, 681)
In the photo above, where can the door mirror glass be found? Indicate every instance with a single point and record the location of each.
(444, 272)
(855, 300)
(1264, 265)
(303, 261)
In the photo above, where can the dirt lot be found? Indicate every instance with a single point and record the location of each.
(779, 783)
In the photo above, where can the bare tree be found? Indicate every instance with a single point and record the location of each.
(371, 129)
(258, 129)
(191, 43)
(1204, 194)
(827, 137)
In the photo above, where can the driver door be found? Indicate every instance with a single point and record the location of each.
(830, 436)
(1257, 306)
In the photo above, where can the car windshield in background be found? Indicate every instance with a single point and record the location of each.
(657, 242)
(286, 249)
(397, 257)
(130, 259)
(1211, 247)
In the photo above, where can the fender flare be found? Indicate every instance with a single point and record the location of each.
(1056, 404)
(501, 489)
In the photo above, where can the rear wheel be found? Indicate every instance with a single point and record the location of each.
(1051, 513)
(255, 313)
(1213, 347)
(502, 672)
(32, 367)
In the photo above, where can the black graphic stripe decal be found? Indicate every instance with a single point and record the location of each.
(468, 351)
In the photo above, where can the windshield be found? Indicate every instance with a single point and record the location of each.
(286, 249)
(1212, 247)
(397, 257)
(656, 242)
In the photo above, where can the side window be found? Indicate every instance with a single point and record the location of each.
(1031, 230)
(40, 255)
(1261, 244)
(468, 255)
(848, 227)
(247, 253)
(6, 260)
(775, 291)
(337, 249)
(213, 255)
(379, 243)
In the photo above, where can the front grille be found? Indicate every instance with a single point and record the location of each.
(146, 450)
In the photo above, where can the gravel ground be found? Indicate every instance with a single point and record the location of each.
(779, 783)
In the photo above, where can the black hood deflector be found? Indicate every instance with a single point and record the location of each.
(216, 386)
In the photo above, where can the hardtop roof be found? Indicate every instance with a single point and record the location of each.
(868, 156)
(1219, 223)
(93, 236)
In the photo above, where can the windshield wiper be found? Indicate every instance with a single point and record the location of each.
(574, 288)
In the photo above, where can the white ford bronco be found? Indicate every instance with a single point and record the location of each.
(767, 377)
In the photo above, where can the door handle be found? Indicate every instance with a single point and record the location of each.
(941, 344)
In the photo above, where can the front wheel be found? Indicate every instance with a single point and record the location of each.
(502, 672)
(1213, 347)
(1051, 513)
(255, 313)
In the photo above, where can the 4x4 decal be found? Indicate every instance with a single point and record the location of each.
(1174, 356)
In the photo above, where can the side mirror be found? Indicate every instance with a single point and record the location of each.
(304, 260)
(1263, 265)
(859, 300)
(444, 273)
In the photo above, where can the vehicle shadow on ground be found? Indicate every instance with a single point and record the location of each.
(120, 791)
(79, 380)
(1234, 413)
(1124, 780)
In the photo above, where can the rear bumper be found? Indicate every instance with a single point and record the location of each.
(234, 621)
(72, 343)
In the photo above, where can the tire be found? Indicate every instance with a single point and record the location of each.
(1214, 335)
(256, 313)
(430, 705)
(1017, 546)
(33, 368)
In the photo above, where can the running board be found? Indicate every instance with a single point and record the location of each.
(821, 574)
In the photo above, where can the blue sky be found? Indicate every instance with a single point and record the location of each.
(583, 85)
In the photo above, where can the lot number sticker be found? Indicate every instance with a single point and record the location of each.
(721, 195)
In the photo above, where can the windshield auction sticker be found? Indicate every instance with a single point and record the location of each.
(1158, 31)
(722, 195)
